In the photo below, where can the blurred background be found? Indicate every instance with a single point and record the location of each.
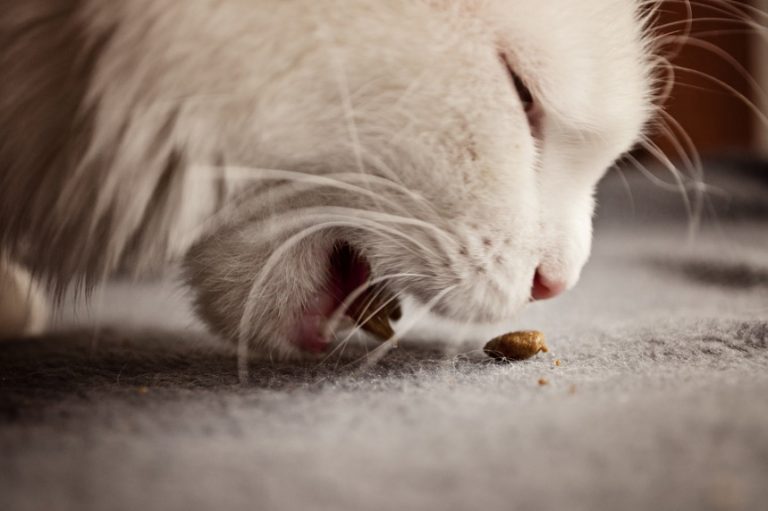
(717, 73)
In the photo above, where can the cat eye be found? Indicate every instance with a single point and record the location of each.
(523, 92)
(525, 95)
(532, 110)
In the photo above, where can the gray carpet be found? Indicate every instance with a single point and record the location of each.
(660, 400)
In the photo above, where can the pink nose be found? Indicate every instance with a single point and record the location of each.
(544, 288)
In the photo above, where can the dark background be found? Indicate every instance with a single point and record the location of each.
(715, 118)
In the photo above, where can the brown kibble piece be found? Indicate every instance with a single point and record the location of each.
(374, 309)
(516, 345)
(557, 362)
(543, 381)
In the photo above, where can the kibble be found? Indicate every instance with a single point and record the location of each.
(516, 345)
(374, 309)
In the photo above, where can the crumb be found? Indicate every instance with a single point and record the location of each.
(557, 362)
(543, 381)
(516, 345)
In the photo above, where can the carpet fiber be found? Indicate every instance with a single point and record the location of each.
(659, 401)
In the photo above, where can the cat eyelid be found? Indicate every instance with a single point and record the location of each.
(523, 92)
(532, 110)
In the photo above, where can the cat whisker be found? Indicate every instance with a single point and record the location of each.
(692, 209)
(730, 60)
(336, 317)
(291, 219)
(339, 181)
(628, 189)
(762, 117)
(407, 325)
(338, 314)
(248, 316)
(685, 148)
(740, 10)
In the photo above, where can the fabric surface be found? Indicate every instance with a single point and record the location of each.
(659, 401)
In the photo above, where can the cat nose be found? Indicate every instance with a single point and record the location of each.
(544, 287)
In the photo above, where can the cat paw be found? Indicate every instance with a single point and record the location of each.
(23, 306)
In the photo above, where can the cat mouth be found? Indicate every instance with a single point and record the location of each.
(349, 285)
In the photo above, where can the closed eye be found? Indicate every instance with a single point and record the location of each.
(525, 96)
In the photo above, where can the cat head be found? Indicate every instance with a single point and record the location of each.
(446, 149)
(459, 144)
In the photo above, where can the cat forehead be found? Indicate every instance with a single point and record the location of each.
(586, 62)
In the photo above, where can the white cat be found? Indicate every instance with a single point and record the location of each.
(293, 150)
